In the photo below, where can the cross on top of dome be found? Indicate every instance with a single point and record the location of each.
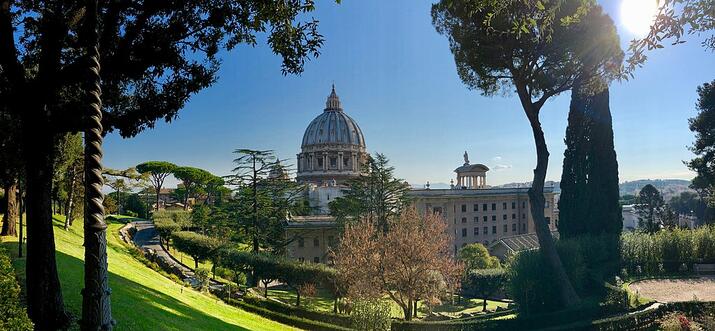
(333, 103)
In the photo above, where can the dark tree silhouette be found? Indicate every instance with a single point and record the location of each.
(703, 125)
(527, 45)
(649, 207)
(158, 171)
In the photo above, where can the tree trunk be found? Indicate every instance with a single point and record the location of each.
(196, 263)
(45, 305)
(11, 212)
(414, 309)
(70, 198)
(20, 239)
(407, 310)
(484, 304)
(158, 192)
(297, 298)
(96, 304)
(536, 196)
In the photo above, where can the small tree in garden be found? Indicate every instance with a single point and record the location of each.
(202, 276)
(483, 283)
(476, 256)
(649, 206)
(410, 262)
(537, 49)
(158, 171)
(165, 227)
(198, 246)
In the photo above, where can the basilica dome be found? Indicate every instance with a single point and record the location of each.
(333, 147)
(333, 126)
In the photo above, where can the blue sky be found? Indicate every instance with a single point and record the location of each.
(396, 77)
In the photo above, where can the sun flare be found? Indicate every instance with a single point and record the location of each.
(638, 15)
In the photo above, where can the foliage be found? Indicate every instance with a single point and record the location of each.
(649, 207)
(410, 262)
(203, 276)
(277, 306)
(703, 125)
(165, 227)
(476, 256)
(673, 20)
(198, 246)
(158, 171)
(371, 315)
(193, 179)
(588, 260)
(483, 283)
(304, 323)
(376, 195)
(14, 316)
(110, 205)
(262, 201)
(690, 203)
(668, 250)
(588, 204)
(134, 203)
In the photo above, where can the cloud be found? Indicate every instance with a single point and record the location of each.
(496, 159)
(498, 164)
(498, 167)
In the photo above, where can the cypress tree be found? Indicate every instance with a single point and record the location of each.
(589, 181)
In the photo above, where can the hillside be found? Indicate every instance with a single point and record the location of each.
(142, 299)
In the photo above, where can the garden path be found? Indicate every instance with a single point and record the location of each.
(673, 290)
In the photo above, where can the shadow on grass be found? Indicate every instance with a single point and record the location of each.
(134, 306)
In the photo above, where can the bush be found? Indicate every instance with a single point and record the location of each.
(371, 315)
(483, 283)
(589, 261)
(295, 321)
(13, 316)
(667, 250)
(325, 317)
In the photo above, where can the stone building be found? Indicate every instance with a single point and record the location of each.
(332, 152)
(477, 213)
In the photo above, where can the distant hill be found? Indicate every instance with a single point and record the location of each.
(667, 187)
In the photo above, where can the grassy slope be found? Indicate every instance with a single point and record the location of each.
(142, 299)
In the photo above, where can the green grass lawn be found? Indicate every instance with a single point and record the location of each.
(142, 299)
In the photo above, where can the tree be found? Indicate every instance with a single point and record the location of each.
(649, 206)
(376, 195)
(262, 201)
(689, 203)
(194, 179)
(541, 49)
(674, 20)
(476, 256)
(158, 171)
(10, 169)
(198, 246)
(589, 180)
(703, 125)
(410, 262)
(483, 283)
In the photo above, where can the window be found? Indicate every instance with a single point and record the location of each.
(464, 208)
(523, 216)
(464, 220)
(437, 210)
(513, 227)
(513, 205)
(476, 219)
(486, 230)
(494, 206)
(316, 242)
(523, 227)
(464, 232)
(476, 207)
(476, 231)
(333, 162)
(546, 204)
(345, 161)
(503, 205)
(484, 207)
(316, 260)
(513, 216)
(548, 220)
(494, 229)
(523, 204)
(506, 228)
(485, 218)
(301, 242)
(320, 162)
(503, 217)
(494, 218)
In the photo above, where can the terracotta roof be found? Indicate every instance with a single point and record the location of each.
(521, 242)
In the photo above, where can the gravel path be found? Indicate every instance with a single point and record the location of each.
(672, 290)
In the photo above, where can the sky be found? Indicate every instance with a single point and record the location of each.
(396, 76)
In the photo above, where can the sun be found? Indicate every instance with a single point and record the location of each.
(638, 15)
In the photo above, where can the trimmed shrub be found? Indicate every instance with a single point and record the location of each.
(295, 321)
(371, 315)
(202, 276)
(483, 283)
(13, 316)
(325, 317)
(198, 246)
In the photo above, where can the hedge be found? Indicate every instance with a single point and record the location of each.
(12, 315)
(330, 318)
(198, 246)
(667, 250)
(302, 323)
